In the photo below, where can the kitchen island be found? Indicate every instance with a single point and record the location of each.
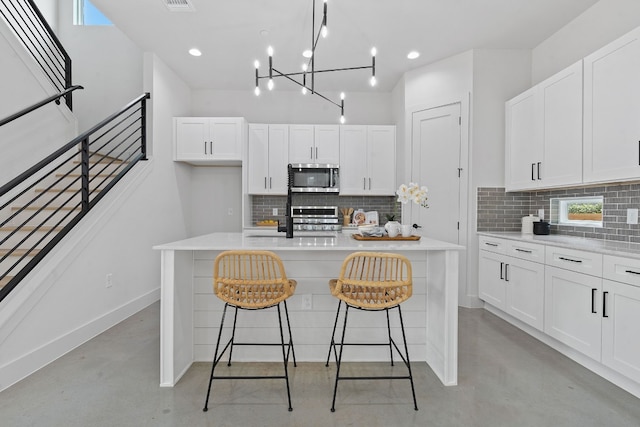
(190, 312)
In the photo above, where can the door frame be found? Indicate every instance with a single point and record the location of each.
(464, 298)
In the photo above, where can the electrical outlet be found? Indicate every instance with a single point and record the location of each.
(108, 281)
(307, 302)
(275, 211)
(632, 216)
(230, 211)
(541, 214)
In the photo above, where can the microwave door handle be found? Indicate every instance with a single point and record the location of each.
(311, 153)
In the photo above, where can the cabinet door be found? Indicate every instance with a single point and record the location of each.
(381, 160)
(257, 155)
(191, 138)
(301, 147)
(611, 111)
(573, 310)
(226, 137)
(278, 158)
(523, 141)
(327, 144)
(491, 283)
(561, 98)
(621, 328)
(525, 291)
(353, 166)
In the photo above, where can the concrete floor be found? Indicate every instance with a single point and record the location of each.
(506, 378)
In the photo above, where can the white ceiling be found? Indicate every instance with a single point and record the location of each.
(229, 34)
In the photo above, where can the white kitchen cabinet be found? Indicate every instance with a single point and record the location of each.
(573, 309)
(267, 159)
(611, 111)
(621, 316)
(514, 285)
(314, 144)
(209, 140)
(367, 155)
(544, 133)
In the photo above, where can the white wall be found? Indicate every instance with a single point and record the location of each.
(597, 26)
(65, 302)
(105, 62)
(30, 138)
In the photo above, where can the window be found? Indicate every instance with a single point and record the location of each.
(85, 13)
(577, 212)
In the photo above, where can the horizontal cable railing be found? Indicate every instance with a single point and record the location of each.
(41, 205)
(54, 98)
(37, 37)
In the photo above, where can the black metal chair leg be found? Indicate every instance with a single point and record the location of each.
(233, 335)
(284, 358)
(389, 331)
(215, 358)
(291, 348)
(332, 345)
(339, 359)
(406, 352)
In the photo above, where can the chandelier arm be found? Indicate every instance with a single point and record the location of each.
(299, 73)
(279, 74)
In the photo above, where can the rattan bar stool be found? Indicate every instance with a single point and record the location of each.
(252, 280)
(372, 281)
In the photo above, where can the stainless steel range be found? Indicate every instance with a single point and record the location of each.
(316, 218)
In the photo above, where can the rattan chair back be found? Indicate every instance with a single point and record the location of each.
(251, 279)
(373, 280)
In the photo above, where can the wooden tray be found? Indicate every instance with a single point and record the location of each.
(361, 237)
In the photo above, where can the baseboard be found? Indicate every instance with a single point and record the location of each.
(26, 365)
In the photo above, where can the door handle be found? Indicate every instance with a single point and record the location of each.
(506, 272)
(316, 153)
(265, 182)
(270, 182)
(501, 271)
(205, 147)
(604, 304)
(539, 170)
(593, 300)
(369, 183)
(311, 152)
(533, 165)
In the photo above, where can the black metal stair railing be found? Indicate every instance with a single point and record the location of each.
(27, 23)
(40, 206)
(54, 98)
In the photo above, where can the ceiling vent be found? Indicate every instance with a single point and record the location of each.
(179, 5)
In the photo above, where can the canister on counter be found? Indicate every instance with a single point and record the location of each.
(527, 223)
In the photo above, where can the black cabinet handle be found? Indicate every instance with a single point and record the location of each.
(205, 147)
(632, 272)
(316, 153)
(501, 272)
(265, 182)
(570, 260)
(506, 272)
(311, 152)
(593, 300)
(491, 244)
(523, 250)
(539, 170)
(533, 165)
(604, 304)
(211, 147)
(270, 183)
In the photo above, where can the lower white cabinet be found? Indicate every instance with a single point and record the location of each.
(573, 309)
(513, 285)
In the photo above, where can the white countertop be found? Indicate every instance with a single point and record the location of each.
(607, 247)
(227, 241)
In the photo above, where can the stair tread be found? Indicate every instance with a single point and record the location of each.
(30, 228)
(19, 252)
(4, 281)
(48, 208)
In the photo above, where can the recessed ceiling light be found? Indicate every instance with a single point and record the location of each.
(413, 54)
(195, 52)
(264, 33)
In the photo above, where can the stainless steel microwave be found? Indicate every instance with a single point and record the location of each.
(314, 178)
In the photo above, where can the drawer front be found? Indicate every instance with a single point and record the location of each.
(492, 244)
(528, 251)
(573, 260)
(625, 270)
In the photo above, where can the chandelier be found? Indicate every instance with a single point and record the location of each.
(309, 70)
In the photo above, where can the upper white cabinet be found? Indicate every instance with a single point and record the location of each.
(367, 160)
(544, 133)
(314, 144)
(611, 111)
(267, 159)
(209, 140)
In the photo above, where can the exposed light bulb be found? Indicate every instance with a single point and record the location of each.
(257, 91)
(304, 90)
(307, 53)
(413, 54)
(374, 51)
(342, 120)
(256, 64)
(305, 67)
(270, 51)
(270, 84)
(324, 31)
(341, 95)
(373, 81)
(195, 52)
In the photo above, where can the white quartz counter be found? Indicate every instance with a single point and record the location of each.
(190, 312)
(606, 247)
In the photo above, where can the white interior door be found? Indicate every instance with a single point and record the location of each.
(436, 144)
